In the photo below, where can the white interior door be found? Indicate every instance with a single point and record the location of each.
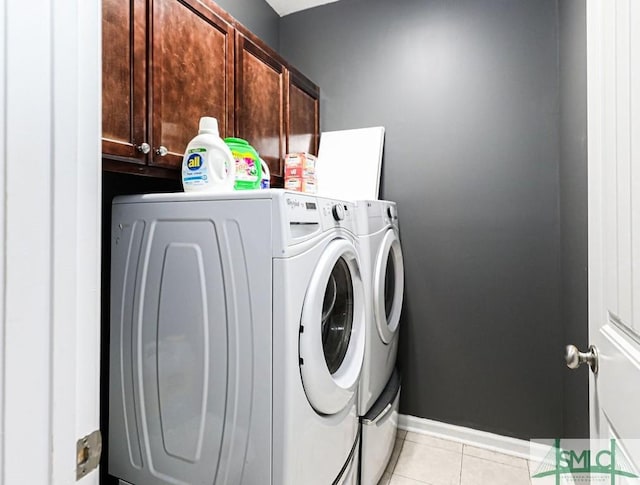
(613, 32)
(49, 237)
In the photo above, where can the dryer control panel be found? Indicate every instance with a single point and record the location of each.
(337, 213)
(307, 215)
(375, 215)
(301, 208)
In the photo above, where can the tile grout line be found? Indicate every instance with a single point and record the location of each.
(411, 478)
(393, 469)
(497, 462)
(463, 452)
(439, 447)
(394, 473)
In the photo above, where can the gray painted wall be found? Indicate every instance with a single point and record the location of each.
(468, 92)
(573, 206)
(257, 16)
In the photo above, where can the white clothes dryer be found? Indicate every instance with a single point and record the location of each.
(237, 340)
(383, 271)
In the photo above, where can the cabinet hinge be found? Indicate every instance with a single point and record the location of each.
(88, 452)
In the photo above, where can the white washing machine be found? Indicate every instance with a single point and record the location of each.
(237, 340)
(379, 393)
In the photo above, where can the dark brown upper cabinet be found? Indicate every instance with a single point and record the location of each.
(277, 108)
(166, 63)
(124, 63)
(303, 114)
(191, 75)
(260, 100)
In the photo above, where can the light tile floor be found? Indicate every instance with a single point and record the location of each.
(419, 459)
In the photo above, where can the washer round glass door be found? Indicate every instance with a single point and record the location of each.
(388, 283)
(332, 329)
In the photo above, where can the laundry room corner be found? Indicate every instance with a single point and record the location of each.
(471, 111)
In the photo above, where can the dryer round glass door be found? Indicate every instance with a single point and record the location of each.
(332, 329)
(388, 283)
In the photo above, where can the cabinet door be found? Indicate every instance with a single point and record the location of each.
(123, 78)
(260, 102)
(303, 114)
(191, 76)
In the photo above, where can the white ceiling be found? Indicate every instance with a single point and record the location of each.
(285, 7)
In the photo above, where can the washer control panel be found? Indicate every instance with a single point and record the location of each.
(306, 210)
(338, 211)
(302, 209)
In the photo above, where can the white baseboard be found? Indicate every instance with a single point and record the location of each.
(467, 436)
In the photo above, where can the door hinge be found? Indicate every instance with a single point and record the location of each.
(88, 452)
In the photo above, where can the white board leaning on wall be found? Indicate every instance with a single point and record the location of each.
(349, 163)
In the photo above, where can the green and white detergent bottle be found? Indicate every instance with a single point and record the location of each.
(248, 166)
(208, 165)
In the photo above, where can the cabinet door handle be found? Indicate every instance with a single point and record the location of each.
(162, 151)
(144, 148)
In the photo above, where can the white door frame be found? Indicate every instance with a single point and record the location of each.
(50, 184)
(595, 107)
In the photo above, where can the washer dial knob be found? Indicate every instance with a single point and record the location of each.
(390, 212)
(338, 212)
